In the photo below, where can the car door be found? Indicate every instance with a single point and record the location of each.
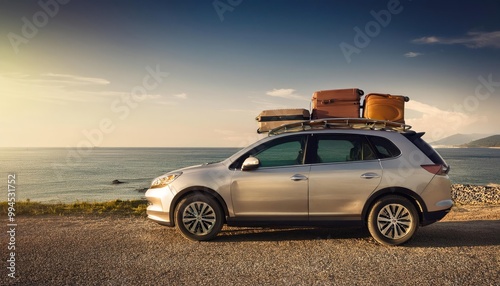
(344, 174)
(278, 189)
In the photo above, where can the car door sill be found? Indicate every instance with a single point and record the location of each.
(295, 221)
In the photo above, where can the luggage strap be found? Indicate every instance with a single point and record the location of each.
(280, 118)
(405, 98)
(329, 101)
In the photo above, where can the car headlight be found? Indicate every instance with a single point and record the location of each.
(162, 181)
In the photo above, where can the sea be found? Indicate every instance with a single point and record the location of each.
(66, 175)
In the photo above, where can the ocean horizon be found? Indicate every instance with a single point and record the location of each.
(64, 174)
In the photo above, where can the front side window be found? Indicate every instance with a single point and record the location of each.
(334, 148)
(285, 154)
(285, 151)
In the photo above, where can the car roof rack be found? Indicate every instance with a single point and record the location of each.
(340, 123)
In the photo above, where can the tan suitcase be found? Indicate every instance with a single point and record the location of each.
(270, 119)
(336, 103)
(385, 107)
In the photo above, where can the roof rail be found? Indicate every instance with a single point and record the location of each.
(340, 123)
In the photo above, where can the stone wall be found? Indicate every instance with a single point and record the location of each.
(475, 195)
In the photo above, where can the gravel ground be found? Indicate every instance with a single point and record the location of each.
(115, 250)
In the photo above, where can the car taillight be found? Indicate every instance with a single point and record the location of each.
(437, 169)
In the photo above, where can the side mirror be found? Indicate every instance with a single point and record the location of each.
(250, 163)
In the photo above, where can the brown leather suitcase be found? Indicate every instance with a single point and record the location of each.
(269, 119)
(385, 107)
(336, 103)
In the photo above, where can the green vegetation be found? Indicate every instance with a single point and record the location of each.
(119, 207)
(491, 141)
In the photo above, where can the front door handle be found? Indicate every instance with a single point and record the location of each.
(298, 177)
(370, 176)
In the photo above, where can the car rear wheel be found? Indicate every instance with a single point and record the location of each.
(198, 217)
(393, 220)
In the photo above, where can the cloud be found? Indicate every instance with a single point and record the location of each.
(50, 88)
(439, 123)
(472, 40)
(74, 79)
(55, 80)
(282, 92)
(288, 93)
(59, 88)
(426, 40)
(181, 95)
(412, 54)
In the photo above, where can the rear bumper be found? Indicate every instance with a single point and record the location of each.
(432, 217)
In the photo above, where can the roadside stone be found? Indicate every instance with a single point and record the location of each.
(475, 195)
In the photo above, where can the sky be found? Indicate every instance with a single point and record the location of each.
(196, 73)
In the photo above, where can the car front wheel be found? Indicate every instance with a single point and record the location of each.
(393, 220)
(198, 217)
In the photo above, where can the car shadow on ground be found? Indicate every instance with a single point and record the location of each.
(458, 233)
(238, 234)
(441, 234)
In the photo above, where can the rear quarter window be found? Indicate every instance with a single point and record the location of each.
(384, 147)
(416, 139)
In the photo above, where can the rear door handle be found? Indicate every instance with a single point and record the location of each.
(298, 177)
(370, 176)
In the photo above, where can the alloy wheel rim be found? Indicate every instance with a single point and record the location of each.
(394, 221)
(198, 218)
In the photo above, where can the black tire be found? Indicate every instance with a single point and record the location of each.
(393, 220)
(198, 217)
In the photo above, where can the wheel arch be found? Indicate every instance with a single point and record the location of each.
(413, 197)
(200, 190)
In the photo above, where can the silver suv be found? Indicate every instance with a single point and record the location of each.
(388, 179)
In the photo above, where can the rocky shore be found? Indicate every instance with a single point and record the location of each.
(475, 195)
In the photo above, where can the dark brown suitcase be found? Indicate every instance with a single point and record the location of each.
(388, 107)
(336, 103)
(270, 119)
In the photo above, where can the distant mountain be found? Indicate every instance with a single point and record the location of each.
(491, 141)
(458, 139)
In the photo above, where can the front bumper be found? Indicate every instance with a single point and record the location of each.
(162, 218)
(159, 205)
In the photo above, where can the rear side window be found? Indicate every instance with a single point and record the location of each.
(384, 147)
(333, 148)
(416, 139)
